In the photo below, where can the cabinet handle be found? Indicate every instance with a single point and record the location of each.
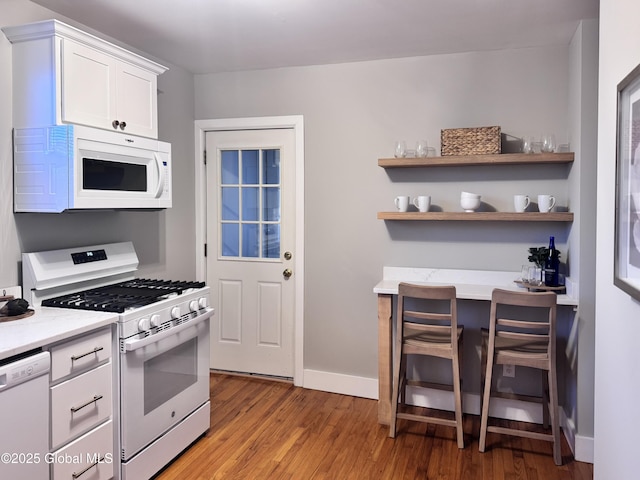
(115, 123)
(94, 464)
(123, 125)
(78, 357)
(93, 400)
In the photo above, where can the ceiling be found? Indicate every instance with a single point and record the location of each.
(211, 36)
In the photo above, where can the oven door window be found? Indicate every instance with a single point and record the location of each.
(113, 175)
(170, 373)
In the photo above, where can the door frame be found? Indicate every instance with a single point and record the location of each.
(295, 122)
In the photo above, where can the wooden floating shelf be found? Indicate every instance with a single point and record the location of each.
(468, 160)
(479, 216)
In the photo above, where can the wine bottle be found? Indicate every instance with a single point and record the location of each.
(552, 265)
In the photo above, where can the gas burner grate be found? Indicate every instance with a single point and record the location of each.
(122, 296)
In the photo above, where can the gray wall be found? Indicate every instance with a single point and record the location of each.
(353, 113)
(617, 383)
(164, 240)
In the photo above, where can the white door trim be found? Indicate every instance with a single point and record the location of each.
(296, 122)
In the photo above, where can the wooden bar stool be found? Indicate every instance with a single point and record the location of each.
(422, 332)
(522, 342)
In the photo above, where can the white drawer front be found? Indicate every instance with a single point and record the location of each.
(73, 409)
(81, 354)
(89, 457)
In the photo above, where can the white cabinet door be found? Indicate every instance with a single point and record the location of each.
(137, 100)
(98, 90)
(88, 81)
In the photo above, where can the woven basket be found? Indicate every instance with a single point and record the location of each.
(470, 141)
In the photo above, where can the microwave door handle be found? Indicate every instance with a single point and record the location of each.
(161, 175)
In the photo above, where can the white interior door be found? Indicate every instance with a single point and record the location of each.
(251, 258)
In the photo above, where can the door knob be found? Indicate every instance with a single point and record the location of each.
(287, 272)
(287, 255)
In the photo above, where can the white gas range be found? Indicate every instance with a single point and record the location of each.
(163, 336)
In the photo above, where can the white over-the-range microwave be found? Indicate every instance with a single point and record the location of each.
(72, 167)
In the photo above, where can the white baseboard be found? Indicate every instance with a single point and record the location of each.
(584, 451)
(581, 446)
(339, 383)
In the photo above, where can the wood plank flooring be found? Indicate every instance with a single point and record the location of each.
(262, 429)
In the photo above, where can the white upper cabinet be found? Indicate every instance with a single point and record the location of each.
(63, 75)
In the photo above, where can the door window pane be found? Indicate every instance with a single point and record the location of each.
(271, 242)
(229, 170)
(250, 204)
(271, 204)
(230, 240)
(230, 203)
(250, 240)
(250, 167)
(271, 167)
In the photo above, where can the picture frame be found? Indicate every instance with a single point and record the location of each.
(627, 209)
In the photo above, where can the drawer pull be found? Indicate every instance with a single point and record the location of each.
(93, 400)
(78, 475)
(78, 357)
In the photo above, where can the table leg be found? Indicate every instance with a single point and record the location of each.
(384, 358)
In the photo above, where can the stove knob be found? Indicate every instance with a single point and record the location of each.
(193, 305)
(155, 320)
(144, 324)
(203, 302)
(175, 312)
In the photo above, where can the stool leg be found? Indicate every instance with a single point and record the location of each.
(545, 398)
(457, 393)
(396, 387)
(483, 364)
(403, 381)
(554, 414)
(485, 398)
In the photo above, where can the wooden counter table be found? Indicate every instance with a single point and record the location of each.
(470, 285)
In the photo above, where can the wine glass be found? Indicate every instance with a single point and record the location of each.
(401, 149)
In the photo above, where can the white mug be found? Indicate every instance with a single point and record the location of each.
(422, 203)
(521, 202)
(546, 202)
(402, 203)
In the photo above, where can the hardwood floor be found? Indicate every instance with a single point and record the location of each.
(263, 429)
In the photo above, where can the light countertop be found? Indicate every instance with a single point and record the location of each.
(46, 326)
(470, 284)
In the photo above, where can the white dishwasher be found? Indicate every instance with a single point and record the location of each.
(24, 416)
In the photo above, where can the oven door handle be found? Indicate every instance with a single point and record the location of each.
(134, 344)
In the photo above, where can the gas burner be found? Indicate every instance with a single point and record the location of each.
(119, 297)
